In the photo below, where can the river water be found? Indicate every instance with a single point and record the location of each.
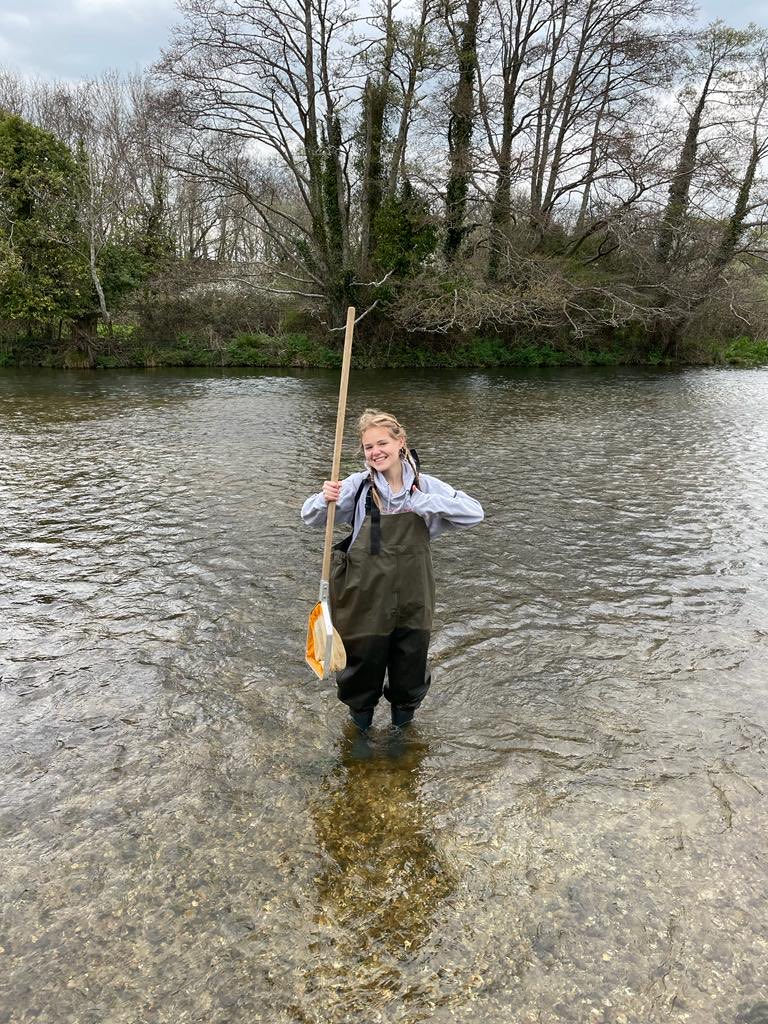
(574, 830)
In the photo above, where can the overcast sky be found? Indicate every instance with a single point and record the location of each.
(81, 38)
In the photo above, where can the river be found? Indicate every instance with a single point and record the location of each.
(572, 831)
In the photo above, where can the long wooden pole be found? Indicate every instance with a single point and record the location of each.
(345, 364)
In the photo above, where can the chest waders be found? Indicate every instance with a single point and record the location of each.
(382, 603)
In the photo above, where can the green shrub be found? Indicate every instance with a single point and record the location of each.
(540, 355)
(104, 361)
(746, 352)
(601, 357)
(248, 350)
(281, 350)
(120, 332)
(481, 351)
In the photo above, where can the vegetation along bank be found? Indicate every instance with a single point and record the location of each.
(488, 184)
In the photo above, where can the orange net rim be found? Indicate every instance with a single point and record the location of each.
(316, 638)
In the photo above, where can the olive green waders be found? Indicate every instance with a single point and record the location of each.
(382, 603)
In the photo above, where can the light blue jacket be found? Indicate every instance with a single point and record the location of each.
(440, 505)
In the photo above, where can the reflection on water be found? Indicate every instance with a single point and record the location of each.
(574, 830)
(383, 876)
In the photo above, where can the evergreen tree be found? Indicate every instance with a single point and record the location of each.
(43, 261)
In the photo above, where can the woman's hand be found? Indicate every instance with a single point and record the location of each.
(331, 490)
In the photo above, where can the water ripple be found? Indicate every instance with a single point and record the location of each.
(573, 831)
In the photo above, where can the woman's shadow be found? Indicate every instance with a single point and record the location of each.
(383, 877)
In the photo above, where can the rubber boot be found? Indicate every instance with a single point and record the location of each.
(362, 719)
(402, 716)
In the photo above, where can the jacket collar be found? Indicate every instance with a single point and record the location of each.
(384, 488)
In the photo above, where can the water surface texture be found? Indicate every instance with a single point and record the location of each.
(574, 830)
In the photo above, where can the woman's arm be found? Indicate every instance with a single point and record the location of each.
(314, 511)
(452, 507)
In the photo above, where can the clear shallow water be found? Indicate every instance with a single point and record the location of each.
(575, 829)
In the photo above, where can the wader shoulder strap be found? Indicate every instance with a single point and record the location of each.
(363, 484)
(417, 466)
(372, 510)
(343, 545)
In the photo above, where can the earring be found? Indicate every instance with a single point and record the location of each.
(402, 453)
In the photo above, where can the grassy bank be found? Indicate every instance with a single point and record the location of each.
(126, 349)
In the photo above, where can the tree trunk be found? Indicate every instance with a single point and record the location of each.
(680, 189)
(374, 110)
(518, 26)
(374, 105)
(409, 96)
(106, 316)
(460, 133)
(501, 209)
(546, 117)
(727, 248)
(312, 140)
(589, 176)
(83, 335)
(564, 112)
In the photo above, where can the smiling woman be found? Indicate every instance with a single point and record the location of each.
(382, 587)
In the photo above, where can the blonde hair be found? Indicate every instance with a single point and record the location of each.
(377, 418)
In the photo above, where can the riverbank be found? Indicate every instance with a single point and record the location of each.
(126, 350)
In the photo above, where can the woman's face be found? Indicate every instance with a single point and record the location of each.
(381, 450)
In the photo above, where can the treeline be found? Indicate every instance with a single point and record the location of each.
(561, 172)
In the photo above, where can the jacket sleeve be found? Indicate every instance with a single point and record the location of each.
(314, 511)
(451, 507)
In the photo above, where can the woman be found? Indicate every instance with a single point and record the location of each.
(382, 588)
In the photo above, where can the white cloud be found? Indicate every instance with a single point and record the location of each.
(73, 39)
(736, 13)
(126, 8)
(9, 50)
(12, 19)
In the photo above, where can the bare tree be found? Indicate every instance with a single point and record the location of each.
(375, 101)
(462, 23)
(415, 65)
(512, 31)
(13, 94)
(601, 58)
(752, 99)
(718, 53)
(278, 77)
